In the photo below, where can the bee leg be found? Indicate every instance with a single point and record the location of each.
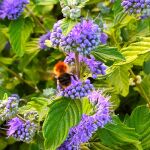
(58, 86)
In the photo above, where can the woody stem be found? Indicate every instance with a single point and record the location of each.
(77, 62)
(36, 19)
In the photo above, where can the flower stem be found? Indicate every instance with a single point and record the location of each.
(21, 118)
(36, 19)
(141, 90)
(77, 63)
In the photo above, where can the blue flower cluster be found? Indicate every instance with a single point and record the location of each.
(102, 108)
(70, 58)
(77, 89)
(21, 130)
(88, 124)
(9, 107)
(43, 38)
(103, 38)
(141, 7)
(56, 35)
(79, 134)
(12, 9)
(83, 38)
(95, 67)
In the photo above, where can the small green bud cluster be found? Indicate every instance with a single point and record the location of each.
(136, 80)
(72, 13)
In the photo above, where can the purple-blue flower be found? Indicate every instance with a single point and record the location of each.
(70, 58)
(83, 38)
(96, 67)
(80, 133)
(140, 7)
(56, 34)
(13, 124)
(89, 124)
(43, 38)
(102, 106)
(21, 130)
(103, 38)
(12, 9)
(77, 89)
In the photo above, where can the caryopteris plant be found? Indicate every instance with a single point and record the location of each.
(75, 74)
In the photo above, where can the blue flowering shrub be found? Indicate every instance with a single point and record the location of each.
(74, 74)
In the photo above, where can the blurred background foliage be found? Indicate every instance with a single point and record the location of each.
(27, 70)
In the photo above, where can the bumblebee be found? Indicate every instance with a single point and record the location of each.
(61, 70)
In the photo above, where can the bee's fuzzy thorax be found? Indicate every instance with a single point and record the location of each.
(61, 68)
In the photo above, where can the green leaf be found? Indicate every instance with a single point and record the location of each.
(107, 53)
(145, 84)
(118, 77)
(87, 106)
(67, 25)
(117, 7)
(6, 60)
(3, 143)
(117, 135)
(114, 99)
(98, 146)
(83, 3)
(2, 41)
(122, 19)
(147, 67)
(19, 31)
(134, 51)
(31, 51)
(37, 103)
(139, 120)
(46, 2)
(3, 91)
(63, 114)
(32, 46)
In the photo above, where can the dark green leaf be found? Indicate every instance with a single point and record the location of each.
(2, 41)
(3, 91)
(19, 31)
(139, 120)
(63, 114)
(98, 146)
(147, 67)
(116, 135)
(146, 86)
